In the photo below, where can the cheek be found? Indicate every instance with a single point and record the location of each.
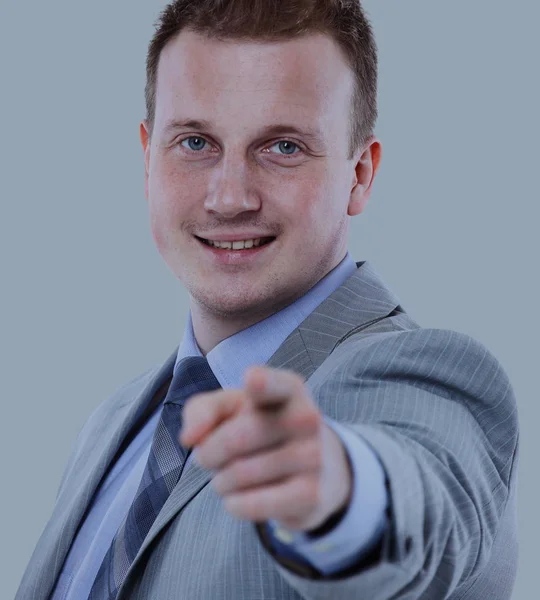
(157, 221)
(163, 184)
(315, 205)
(165, 216)
(335, 196)
(167, 198)
(175, 189)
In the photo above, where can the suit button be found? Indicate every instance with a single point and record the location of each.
(408, 544)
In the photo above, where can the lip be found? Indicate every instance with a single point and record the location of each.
(223, 256)
(233, 237)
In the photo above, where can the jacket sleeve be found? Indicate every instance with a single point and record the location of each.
(440, 413)
(353, 533)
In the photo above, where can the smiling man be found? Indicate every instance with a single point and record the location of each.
(251, 141)
(306, 439)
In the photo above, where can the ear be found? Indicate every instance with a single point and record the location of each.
(366, 167)
(145, 141)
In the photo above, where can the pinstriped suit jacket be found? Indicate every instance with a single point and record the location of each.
(434, 404)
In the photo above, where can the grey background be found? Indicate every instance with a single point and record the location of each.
(88, 304)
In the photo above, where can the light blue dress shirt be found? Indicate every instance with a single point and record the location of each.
(358, 531)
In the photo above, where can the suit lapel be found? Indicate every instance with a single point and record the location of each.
(359, 302)
(85, 475)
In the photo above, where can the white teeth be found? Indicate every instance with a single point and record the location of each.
(240, 245)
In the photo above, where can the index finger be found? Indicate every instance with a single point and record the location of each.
(202, 413)
(272, 388)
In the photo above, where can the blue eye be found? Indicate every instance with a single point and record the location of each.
(286, 147)
(195, 143)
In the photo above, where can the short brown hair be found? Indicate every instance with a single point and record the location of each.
(274, 20)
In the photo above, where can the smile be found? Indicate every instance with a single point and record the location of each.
(238, 245)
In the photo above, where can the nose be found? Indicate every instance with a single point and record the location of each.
(230, 189)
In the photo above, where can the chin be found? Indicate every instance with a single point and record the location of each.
(233, 303)
(230, 303)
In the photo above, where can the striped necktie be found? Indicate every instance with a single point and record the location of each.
(162, 472)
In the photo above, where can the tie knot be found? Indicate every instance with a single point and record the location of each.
(192, 375)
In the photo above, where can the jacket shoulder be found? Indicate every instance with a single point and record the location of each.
(399, 370)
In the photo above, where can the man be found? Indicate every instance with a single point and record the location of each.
(307, 439)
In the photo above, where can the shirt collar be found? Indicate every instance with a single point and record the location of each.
(256, 344)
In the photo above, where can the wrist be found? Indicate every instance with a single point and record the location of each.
(338, 513)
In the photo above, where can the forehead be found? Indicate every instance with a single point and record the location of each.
(303, 78)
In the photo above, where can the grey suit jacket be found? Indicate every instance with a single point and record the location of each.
(434, 404)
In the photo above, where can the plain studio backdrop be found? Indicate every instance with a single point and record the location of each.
(87, 302)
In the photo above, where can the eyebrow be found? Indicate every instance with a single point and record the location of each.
(313, 135)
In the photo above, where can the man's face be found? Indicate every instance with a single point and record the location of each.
(215, 166)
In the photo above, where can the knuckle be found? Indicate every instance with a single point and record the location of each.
(245, 435)
(242, 472)
(237, 439)
(312, 454)
(314, 490)
(230, 445)
(308, 419)
(308, 489)
(278, 463)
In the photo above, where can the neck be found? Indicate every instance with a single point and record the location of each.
(212, 325)
(210, 328)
